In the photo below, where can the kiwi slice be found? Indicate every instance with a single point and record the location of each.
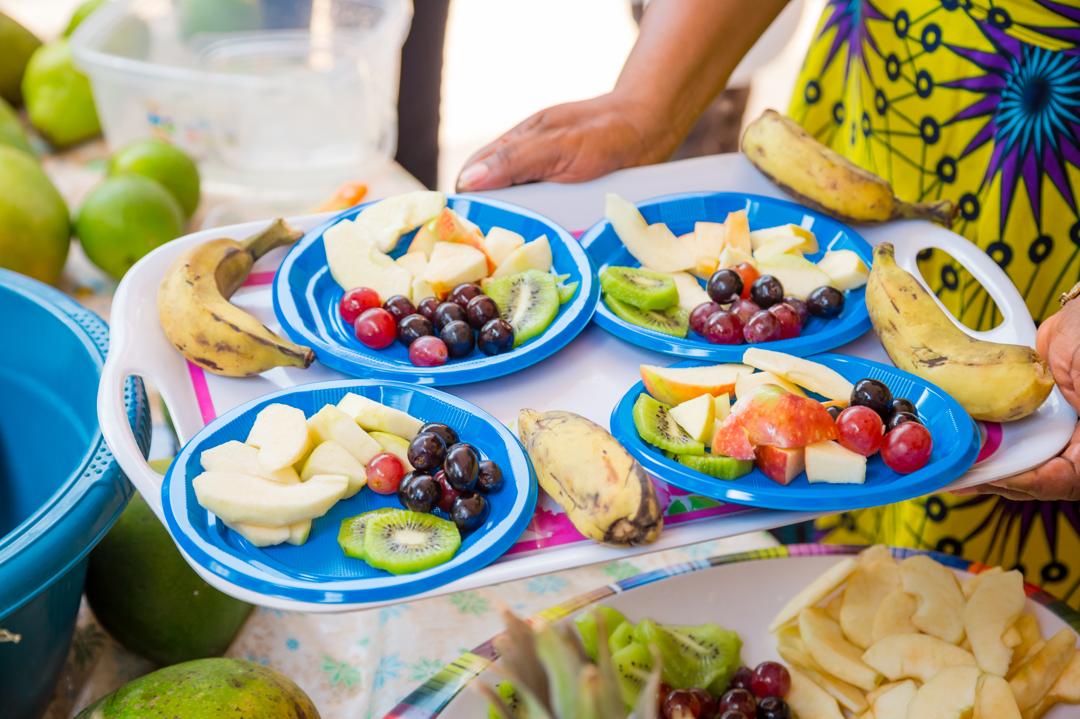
(588, 626)
(656, 426)
(622, 636)
(644, 289)
(403, 542)
(691, 656)
(633, 664)
(528, 300)
(567, 291)
(674, 321)
(351, 535)
(509, 694)
(717, 465)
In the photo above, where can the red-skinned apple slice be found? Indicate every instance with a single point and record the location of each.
(779, 464)
(449, 227)
(772, 416)
(675, 385)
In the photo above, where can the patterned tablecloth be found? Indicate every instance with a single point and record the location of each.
(354, 665)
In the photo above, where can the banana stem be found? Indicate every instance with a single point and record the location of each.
(942, 211)
(278, 234)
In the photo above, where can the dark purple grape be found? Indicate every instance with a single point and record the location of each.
(898, 418)
(459, 338)
(469, 512)
(480, 310)
(442, 431)
(734, 714)
(800, 308)
(427, 307)
(833, 411)
(413, 327)
(741, 678)
(825, 302)
(447, 312)
(399, 306)
(724, 286)
(462, 467)
(426, 452)
(899, 404)
(873, 394)
(766, 291)
(419, 492)
(773, 708)
(464, 292)
(496, 337)
(489, 477)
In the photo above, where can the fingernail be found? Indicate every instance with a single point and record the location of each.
(473, 175)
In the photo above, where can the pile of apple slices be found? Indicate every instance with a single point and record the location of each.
(446, 251)
(773, 423)
(292, 469)
(880, 639)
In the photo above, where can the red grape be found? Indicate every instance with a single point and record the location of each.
(790, 325)
(688, 704)
(741, 678)
(770, 679)
(748, 273)
(762, 327)
(701, 314)
(356, 301)
(907, 447)
(376, 328)
(384, 473)
(745, 309)
(723, 328)
(732, 714)
(429, 351)
(860, 429)
(741, 700)
(449, 494)
(800, 308)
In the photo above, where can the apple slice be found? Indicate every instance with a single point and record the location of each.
(1027, 626)
(893, 702)
(423, 242)
(535, 255)
(675, 385)
(779, 464)
(784, 245)
(280, 433)
(863, 595)
(806, 240)
(1037, 675)
(355, 261)
(748, 384)
(775, 417)
(453, 263)
(261, 535)
(657, 248)
(243, 498)
(994, 699)
(993, 608)
(848, 696)
(387, 220)
(970, 584)
(941, 603)
(331, 457)
(330, 423)
(233, 456)
(732, 256)
(690, 293)
(372, 415)
(832, 651)
(696, 416)
(710, 240)
(452, 227)
(831, 463)
(500, 243)
(845, 269)
(798, 275)
(814, 376)
(809, 701)
(414, 262)
(822, 586)
(948, 695)
(915, 656)
(894, 615)
(737, 232)
(397, 446)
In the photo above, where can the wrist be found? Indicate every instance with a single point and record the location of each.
(652, 121)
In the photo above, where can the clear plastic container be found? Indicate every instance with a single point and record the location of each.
(269, 96)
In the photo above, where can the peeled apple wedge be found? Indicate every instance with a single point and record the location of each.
(657, 248)
(862, 596)
(375, 416)
(263, 536)
(920, 338)
(280, 433)
(994, 699)
(453, 263)
(331, 457)
(915, 656)
(845, 269)
(894, 615)
(387, 220)
(893, 703)
(809, 701)
(233, 456)
(330, 423)
(993, 607)
(500, 243)
(798, 275)
(355, 260)
(243, 498)
(948, 695)
(814, 376)
(747, 384)
(940, 601)
(690, 293)
(832, 651)
(535, 255)
(822, 586)
(1033, 680)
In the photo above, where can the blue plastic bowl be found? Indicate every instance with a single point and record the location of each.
(60, 488)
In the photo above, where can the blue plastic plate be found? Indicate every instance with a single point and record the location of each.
(679, 212)
(318, 571)
(306, 299)
(956, 444)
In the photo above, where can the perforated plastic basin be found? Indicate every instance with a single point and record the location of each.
(60, 489)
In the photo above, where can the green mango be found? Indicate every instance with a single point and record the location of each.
(18, 45)
(12, 133)
(82, 11)
(35, 230)
(147, 597)
(58, 96)
(206, 689)
(165, 163)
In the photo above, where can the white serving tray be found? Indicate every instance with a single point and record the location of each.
(586, 377)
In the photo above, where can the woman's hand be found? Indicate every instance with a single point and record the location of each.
(1058, 479)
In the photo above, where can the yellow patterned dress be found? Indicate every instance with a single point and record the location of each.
(977, 101)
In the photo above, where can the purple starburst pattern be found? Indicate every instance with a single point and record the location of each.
(849, 19)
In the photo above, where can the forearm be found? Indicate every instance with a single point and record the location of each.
(684, 55)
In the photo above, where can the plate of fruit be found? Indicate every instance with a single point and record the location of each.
(348, 492)
(823, 632)
(438, 290)
(778, 431)
(705, 274)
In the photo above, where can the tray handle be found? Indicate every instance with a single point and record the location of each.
(1016, 327)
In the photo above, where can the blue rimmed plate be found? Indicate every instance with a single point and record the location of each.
(318, 571)
(679, 212)
(306, 299)
(955, 435)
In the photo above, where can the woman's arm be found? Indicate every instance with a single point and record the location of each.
(683, 56)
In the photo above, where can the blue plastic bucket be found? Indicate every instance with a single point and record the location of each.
(60, 488)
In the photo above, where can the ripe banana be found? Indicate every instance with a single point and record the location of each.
(993, 381)
(823, 179)
(195, 312)
(604, 491)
